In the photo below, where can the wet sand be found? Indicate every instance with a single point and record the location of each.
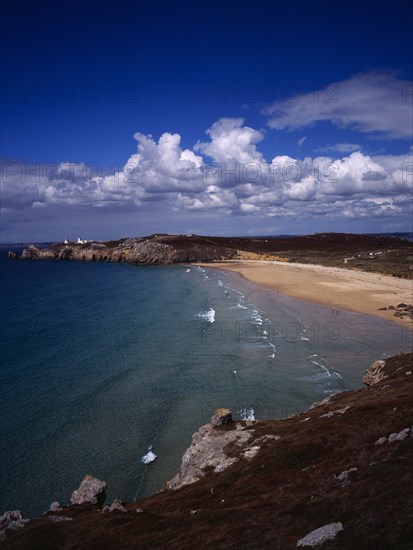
(339, 288)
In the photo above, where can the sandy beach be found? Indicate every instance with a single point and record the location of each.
(339, 288)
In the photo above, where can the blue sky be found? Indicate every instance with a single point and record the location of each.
(127, 118)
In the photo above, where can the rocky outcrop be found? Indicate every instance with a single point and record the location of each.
(347, 476)
(115, 506)
(91, 490)
(11, 520)
(149, 251)
(212, 448)
(402, 310)
(330, 414)
(375, 373)
(30, 253)
(221, 417)
(397, 436)
(58, 519)
(11, 255)
(321, 535)
(34, 253)
(155, 249)
(65, 253)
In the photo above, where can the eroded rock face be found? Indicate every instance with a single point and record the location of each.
(34, 253)
(91, 490)
(208, 451)
(30, 253)
(155, 249)
(150, 252)
(11, 255)
(65, 253)
(375, 373)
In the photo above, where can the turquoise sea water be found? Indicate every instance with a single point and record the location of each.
(101, 361)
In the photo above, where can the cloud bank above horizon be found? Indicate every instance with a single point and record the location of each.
(227, 176)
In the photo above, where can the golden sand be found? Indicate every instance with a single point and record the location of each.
(342, 288)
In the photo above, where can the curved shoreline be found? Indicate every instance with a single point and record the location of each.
(357, 291)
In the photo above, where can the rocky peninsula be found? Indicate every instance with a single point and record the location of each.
(365, 273)
(337, 476)
(377, 253)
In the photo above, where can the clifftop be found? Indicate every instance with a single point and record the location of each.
(344, 466)
(367, 252)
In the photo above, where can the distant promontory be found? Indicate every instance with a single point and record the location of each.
(378, 253)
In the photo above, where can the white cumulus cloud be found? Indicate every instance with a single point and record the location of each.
(226, 175)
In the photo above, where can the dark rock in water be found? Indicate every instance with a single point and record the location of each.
(391, 307)
(12, 520)
(11, 255)
(375, 373)
(91, 490)
(382, 308)
(221, 417)
(401, 306)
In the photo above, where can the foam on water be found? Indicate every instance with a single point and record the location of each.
(331, 379)
(149, 457)
(256, 317)
(274, 350)
(208, 315)
(247, 414)
(239, 306)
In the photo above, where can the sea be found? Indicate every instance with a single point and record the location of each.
(108, 369)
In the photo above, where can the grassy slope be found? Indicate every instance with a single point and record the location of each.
(288, 489)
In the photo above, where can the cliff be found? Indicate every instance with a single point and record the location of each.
(338, 476)
(367, 252)
(155, 249)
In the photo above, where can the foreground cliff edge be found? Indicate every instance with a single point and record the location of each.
(339, 475)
